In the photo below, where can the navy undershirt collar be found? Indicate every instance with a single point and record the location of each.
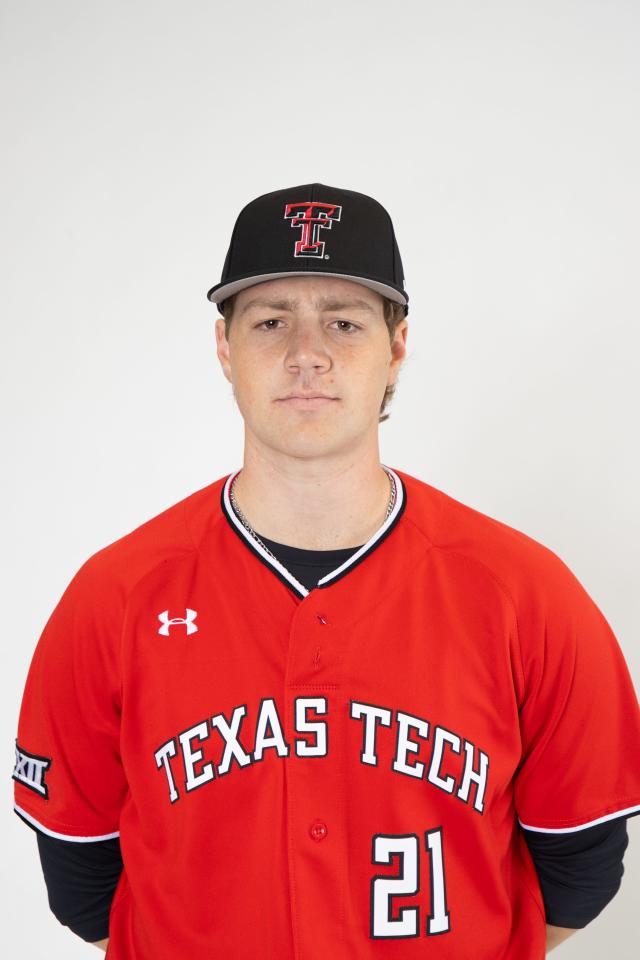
(308, 566)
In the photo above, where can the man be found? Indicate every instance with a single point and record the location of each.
(320, 708)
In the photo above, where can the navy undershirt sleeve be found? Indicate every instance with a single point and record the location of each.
(81, 879)
(579, 872)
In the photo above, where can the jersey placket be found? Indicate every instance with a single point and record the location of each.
(316, 705)
(318, 848)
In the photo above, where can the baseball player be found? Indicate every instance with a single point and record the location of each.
(319, 708)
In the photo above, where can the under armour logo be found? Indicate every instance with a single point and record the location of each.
(312, 216)
(188, 621)
(30, 769)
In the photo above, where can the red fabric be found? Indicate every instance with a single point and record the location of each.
(456, 630)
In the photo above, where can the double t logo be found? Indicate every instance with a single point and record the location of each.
(312, 216)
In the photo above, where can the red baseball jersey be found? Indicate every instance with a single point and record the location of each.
(341, 772)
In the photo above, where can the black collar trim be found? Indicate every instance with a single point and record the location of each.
(356, 557)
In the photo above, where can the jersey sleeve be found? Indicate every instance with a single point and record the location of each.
(68, 777)
(579, 716)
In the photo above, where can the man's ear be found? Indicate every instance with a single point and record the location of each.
(222, 348)
(398, 350)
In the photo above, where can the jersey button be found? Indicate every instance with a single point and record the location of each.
(318, 830)
(321, 617)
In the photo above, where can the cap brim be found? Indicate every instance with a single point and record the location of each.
(222, 291)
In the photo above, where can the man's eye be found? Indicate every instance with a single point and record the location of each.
(348, 322)
(270, 320)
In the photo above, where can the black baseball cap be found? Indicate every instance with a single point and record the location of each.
(313, 229)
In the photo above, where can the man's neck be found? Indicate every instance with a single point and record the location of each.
(320, 507)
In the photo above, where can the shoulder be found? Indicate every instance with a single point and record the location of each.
(163, 539)
(525, 568)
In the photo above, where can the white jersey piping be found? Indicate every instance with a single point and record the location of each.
(61, 836)
(583, 826)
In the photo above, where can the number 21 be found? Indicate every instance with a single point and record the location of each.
(407, 883)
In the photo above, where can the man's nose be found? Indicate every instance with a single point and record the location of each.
(306, 348)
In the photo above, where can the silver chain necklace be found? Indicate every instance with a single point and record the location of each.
(245, 522)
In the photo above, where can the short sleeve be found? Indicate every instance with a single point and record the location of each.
(68, 776)
(579, 716)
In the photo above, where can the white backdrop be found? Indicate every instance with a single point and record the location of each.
(503, 139)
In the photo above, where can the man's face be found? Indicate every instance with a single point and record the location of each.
(296, 338)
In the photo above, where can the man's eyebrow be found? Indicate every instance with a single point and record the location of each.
(324, 303)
